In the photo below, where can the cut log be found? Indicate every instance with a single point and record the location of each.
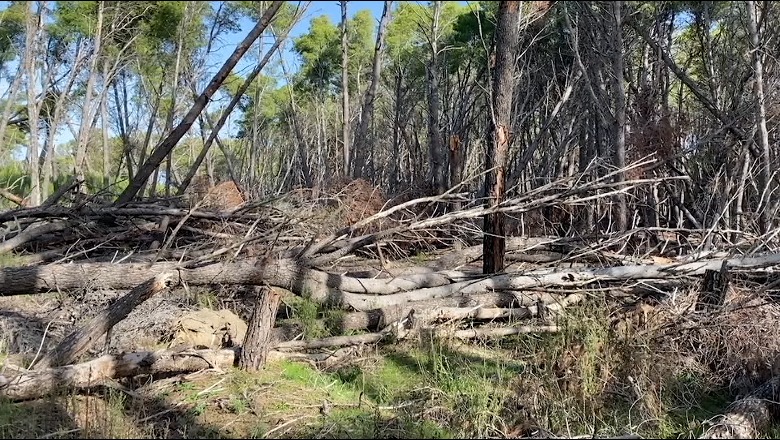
(83, 338)
(749, 417)
(258, 335)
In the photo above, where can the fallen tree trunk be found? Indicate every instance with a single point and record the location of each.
(40, 382)
(749, 417)
(83, 338)
(481, 308)
(337, 289)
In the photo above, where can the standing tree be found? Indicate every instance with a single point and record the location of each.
(345, 87)
(368, 107)
(506, 39)
(438, 166)
(620, 113)
(765, 179)
(161, 151)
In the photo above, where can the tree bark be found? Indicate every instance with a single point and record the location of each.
(345, 89)
(83, 338)
(494, 241)
(258, 336)
(167, 145)
(765, 181)
(361, 141)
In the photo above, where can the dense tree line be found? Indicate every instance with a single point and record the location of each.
(405, 100)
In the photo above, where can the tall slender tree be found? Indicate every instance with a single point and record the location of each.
(345, 90)
(499, 135)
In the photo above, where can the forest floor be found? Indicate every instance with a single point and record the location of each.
(619, 365)
(608, 372)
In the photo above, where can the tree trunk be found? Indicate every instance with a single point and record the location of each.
(436, 147)
(345, 89)
(765, 182)
(225, 114)
(167, 145)
(104, 124)
(620, 115)
(498, 140)
(83, 338)
(258, 336)
(34, 23)
(87, 113)
(368, 107)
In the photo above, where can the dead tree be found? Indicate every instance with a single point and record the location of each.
(499, 134)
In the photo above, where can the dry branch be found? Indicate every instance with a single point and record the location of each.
(83, 338)
(30, 233)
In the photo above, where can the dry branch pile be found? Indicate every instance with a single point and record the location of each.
(152, 247)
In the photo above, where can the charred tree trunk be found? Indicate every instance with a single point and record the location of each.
(257, 342)
(498, 140)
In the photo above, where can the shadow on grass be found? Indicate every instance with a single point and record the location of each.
(36, 419)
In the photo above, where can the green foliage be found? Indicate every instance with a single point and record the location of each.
(12, 27)
(320, 54)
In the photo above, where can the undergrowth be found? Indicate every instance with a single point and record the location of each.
(588, 379)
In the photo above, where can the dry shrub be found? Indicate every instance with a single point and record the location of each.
(676, 356)
(359, 200)
(224, 196)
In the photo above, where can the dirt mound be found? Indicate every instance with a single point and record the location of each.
(224, 196)
(358, 199)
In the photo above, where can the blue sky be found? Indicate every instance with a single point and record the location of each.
(315, 9)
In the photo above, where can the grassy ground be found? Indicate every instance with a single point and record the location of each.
(585, 380)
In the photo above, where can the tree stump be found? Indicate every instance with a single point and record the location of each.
(258, 336)
(714, 287)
